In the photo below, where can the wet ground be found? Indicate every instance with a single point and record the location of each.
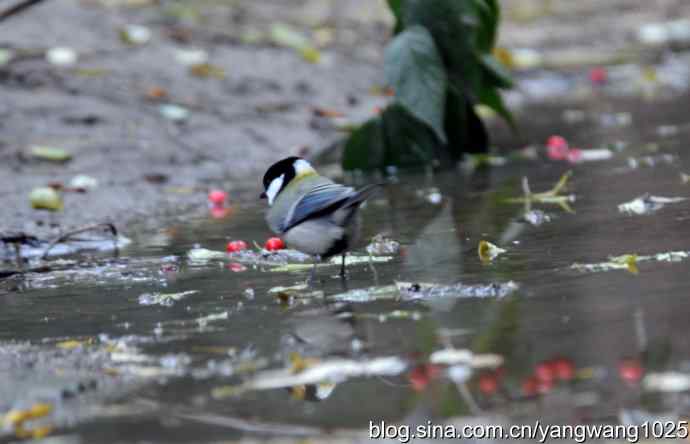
(171, 343)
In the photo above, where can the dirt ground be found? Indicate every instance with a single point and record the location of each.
(260, 110)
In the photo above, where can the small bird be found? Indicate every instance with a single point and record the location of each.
(310, 212)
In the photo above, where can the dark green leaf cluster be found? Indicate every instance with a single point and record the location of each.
(440, 64)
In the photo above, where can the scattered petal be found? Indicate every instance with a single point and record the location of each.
(135, 34)
(173, 112)
(6, 56)
(164, 299)
(203, 255)
(191, 57)
(647, 204)
(83, 181)
(62, 56)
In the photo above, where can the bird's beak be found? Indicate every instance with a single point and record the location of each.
(262, 195)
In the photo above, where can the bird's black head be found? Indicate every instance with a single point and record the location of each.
(281, 173)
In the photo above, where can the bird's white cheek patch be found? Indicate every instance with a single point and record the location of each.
(303, 167)
(274, 188)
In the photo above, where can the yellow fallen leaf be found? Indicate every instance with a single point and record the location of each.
(72, 344)
(207, 70)
(488, 251)
(46, 198)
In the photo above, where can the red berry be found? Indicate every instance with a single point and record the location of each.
(422, 375)
(545, 371)
(598, 75)
(564, 369)
(630, 370)
(530, 386)
(217, 197)
(274, 243)
(557, 148)
(237, 245)
(544, 387)
(557, 142)
(488, 383)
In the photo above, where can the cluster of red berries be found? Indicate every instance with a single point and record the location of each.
(272, 244)
(547, 374)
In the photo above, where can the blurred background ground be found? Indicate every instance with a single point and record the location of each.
(257, 99)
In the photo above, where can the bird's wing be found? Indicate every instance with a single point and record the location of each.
(319, 201)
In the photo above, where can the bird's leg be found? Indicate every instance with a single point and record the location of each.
(312, 276)
(342, 266)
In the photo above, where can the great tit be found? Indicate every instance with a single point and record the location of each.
(312, 213)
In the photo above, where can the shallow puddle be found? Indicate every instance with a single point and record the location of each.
(154, 346)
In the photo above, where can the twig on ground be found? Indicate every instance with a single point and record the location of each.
(16, 9)
(71, 233)
(552, 196)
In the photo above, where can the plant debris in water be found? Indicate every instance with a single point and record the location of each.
(629, 261)
(164, 299)
(334, 261)
(381, 245)
(304, 371)
(550, 197)
(419, 291)
(647, 204)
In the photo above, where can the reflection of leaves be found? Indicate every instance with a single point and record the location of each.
(415, 71)
(500, 335)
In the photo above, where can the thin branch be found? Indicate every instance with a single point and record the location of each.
(16, 9)
(71, 233)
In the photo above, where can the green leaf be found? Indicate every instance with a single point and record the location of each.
(364, 150)
(495, 73)
(492, 98)
(489, 16)
(453, 26)
(415, 70)
(408, 141)
(396, 9)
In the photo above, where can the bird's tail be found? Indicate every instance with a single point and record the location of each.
(362, 194)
